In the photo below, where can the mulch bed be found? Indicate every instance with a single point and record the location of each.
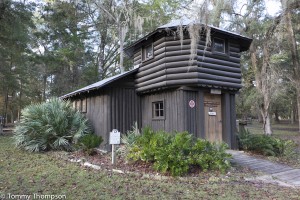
(104, 161)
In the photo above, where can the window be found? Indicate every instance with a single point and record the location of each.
(219, 45)
(83, 105)
(158, 110)
(78, 105)
(147, 52)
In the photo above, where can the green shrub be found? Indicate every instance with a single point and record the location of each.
(147, 144)
(266, 145)
(244, 139)
(49, 125)
(176, 153)
(173, 153)
(89, 142)
(210, 156)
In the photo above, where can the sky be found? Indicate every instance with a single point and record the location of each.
(273, 6)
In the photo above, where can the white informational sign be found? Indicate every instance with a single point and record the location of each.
(114, 137)
(215, 91)
(212, 113)
(192, 103)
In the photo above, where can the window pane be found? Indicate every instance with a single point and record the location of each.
(161, 105)
(219, 45)
(156, 106)
(148, 51)
(84, 105)
(161, 113)
(157, 113)
(78, 106)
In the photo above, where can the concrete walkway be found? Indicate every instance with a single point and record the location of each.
(281, 172)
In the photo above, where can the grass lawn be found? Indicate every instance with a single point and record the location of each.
(23, 173)
(278, 129)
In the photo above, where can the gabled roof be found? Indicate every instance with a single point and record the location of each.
(98, 84)
(186, 22)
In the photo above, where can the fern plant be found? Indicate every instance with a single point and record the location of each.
(130, 137)
(50, 125)
(89, 142)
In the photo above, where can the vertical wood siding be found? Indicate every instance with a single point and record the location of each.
(116, 106)
(179, 116)
(98, 114)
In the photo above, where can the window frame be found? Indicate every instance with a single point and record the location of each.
(225, 52)
(159, 109)
(144, 48)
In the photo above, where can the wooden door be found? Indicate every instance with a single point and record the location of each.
(213, 117)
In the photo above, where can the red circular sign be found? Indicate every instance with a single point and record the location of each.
(192, 103)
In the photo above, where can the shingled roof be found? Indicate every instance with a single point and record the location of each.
(98, 84)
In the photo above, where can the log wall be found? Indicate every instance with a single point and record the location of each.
(173, 66)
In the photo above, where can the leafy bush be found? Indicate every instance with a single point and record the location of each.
(146, 144)
(266, 145)
(210, 155)
(49, 125)
(172, 154)
(176, 153)
(89, 142)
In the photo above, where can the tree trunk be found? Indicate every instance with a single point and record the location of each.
(298, 106)
(267, 125)
(263, 84)
(292, 112)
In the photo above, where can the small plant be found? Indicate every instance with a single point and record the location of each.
(128, 140)
(89, 142)
(266, 145)
(131, 135)
(52, 125)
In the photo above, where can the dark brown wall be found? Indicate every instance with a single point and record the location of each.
(173, 111)
(172, 65)
(179, 116)
(116, 106)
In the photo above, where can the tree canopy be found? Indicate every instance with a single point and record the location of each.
(50, 48)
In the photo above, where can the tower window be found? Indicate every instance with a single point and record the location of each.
(148, 52)
(219, 45)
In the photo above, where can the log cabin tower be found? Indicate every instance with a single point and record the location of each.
(189, 92)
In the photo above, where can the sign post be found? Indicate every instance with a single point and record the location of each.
(114, 138)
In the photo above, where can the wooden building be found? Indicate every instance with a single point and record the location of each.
(170, 88)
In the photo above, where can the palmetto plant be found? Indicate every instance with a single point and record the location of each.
(50, 125)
